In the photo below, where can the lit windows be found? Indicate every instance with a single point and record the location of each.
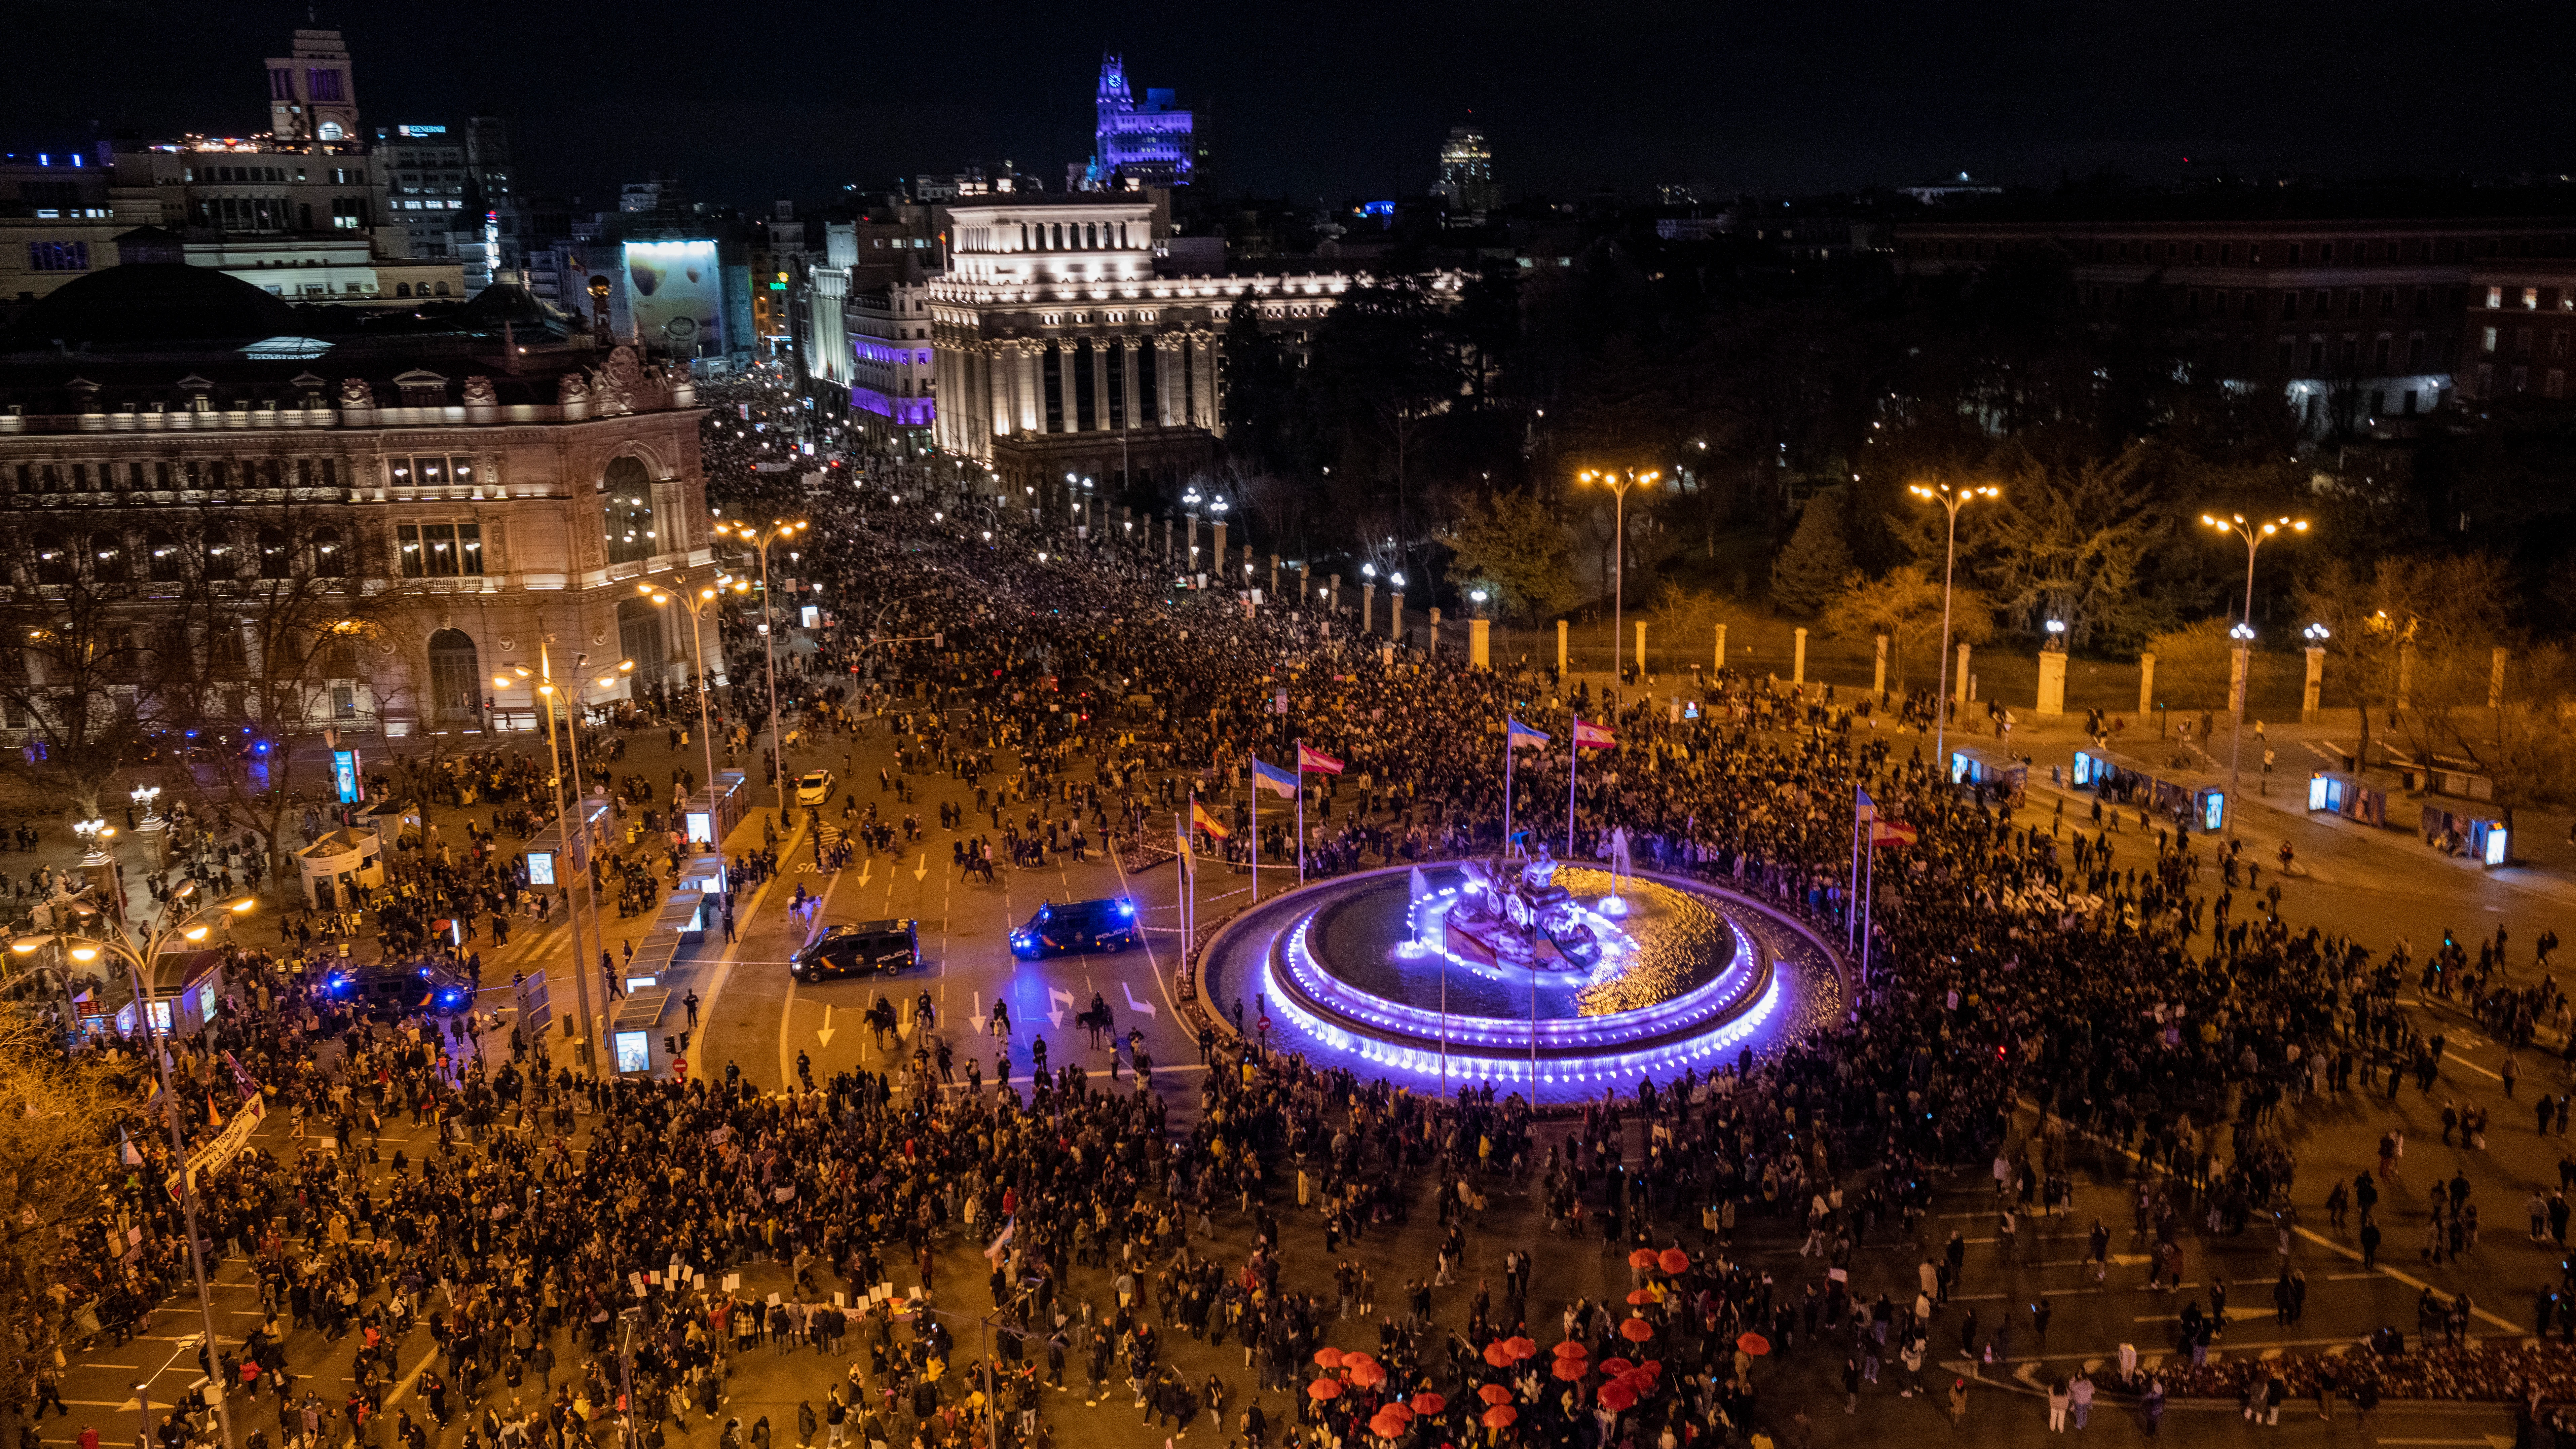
(439, 550)
(57, 256)
(430, 471)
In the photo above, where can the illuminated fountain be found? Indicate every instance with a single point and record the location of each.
(1512, 971)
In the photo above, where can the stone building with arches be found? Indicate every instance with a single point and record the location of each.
(221, 487)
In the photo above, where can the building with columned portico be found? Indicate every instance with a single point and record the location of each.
(1064, 341)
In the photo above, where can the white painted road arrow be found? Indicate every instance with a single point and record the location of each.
(1057, 1001)
(1133, 1004)
(826, 1032)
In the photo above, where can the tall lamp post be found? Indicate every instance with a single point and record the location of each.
(761, 539)
(696, 601)
(2254, 535)
(542, 685)
(1951, 499)
(1618, 481)
(137, 963)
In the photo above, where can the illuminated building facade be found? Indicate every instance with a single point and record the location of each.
(1061, 342)
(1467, 174)
(1138, 145)
(193, 448)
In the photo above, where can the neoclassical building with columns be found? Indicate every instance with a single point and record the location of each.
(1062, 343)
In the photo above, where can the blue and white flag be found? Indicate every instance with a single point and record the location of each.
(1516, 734)
(1275, 780)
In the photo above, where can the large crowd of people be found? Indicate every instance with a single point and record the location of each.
(2050, 987)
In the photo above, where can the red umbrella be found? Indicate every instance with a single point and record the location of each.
(1572, 1349)
(1328, 1358)
(1367, 1374)
(1429, 1403)
(1353, 1358)
(1673, 1260)
(1500, 1416)
(1643, 1258)
(1616, 1367)
(1386, 1425)
(1640, 1297)
(1754, 1344)
(1636, 1330)
(1520, 1348)
(1497, 1355)
(1324, 1389)
(1570, 1369)
(1618, 1398)
(1494, 1394)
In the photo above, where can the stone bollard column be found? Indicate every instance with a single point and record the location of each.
(1368, 605)
(2314, 690)
(1962, 683)
(1431, 641)
(1641, 651)
(1480, 643)
(1798, 657)
(1721, 649)
(2240, 664)
(2495, 682)
(1395, 616)
(1334, 600)
(2146, 685)
(1561, 629)
(1274, 576)
(2052, 682)
(1878, 674)
(1216, 555)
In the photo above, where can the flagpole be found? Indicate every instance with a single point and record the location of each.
(1573, 761)
(1868, 890)
(1301, 812)
(1850, 936)
(1252, 774)
(1508, 752)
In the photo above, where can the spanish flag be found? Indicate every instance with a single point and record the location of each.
(1204, 821)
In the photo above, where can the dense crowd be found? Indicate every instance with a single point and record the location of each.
(2045, 983)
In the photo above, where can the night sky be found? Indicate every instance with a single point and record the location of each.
(1344, 100)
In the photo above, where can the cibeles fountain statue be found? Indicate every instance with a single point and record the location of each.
(1520, 917)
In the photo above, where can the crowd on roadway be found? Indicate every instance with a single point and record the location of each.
(2047, 986)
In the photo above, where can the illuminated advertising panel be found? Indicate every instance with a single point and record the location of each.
(675, 293)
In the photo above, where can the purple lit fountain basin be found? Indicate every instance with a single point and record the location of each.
(1356, 968)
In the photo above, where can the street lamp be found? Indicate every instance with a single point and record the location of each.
(2255, 535)
(147, 798)
(1618, 481)
(137, 963)
(761, 539)
(1951, 499)
(696, 602)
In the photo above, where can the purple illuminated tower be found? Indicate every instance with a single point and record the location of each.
(1138, 145)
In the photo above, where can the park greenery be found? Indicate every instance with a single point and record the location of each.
(1789, 408)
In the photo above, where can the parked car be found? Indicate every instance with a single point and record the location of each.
(814, 788)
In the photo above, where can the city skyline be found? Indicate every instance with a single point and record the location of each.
(1350, 105)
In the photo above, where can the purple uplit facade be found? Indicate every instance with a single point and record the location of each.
(910, 412)
(878, 358)
(1147, 144)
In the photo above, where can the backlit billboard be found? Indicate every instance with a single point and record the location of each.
(675, 293)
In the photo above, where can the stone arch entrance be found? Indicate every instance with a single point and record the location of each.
(640, 637)
(455, 680)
